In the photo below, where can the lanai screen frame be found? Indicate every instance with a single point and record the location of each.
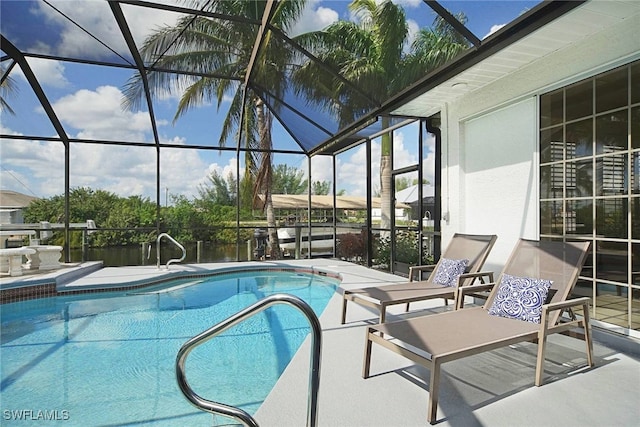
(360, 131)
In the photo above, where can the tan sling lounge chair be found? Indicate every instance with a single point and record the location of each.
(473, 248)
(438, 338)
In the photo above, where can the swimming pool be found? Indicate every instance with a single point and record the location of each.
(109, 359)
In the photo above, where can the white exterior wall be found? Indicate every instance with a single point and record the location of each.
(500, 174)
(490, 141)
(11, 216)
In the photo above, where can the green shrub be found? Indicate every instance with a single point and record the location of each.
(406, 249)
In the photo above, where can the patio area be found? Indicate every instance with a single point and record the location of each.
(494, 388)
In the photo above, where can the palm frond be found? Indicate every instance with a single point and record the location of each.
(8, 88)
(391, 32)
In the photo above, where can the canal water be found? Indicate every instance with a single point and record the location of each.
(146, 255)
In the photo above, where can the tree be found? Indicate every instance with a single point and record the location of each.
(371, 53)
(224, 48)
(127, 214)
(218, 191)
(436, 45)
(182, 221)
(321, 187)
(8, 87)
(84, 203)
(402, 183)
(288, 180)
(105, 208)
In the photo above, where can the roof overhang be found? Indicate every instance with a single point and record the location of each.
(512, 49)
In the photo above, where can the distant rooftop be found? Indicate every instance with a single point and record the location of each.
(13, 199)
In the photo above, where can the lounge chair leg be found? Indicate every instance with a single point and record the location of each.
(406, 309)
(367, 355)
(383, 313)
(587, 332)
(458, 301)
(344, 308)
(542, 343)
(434, 382)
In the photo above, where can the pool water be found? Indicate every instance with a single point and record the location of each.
(110, 359)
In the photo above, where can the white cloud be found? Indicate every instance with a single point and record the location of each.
(48, 72)
(314, 18)
(38, 168)
(408, 3)
(182, 171)
(6, 131)
(97, 18)
(352, 173)
(401, 155)
(413, 29)
(16, 180)
(225, 170)
(98, 115)
(493, 29)
(429, 163)
(351, 165)
(321, 169)
(30, 167)
(14, 176)
(143, 21)
(124, 170)
(130, 171)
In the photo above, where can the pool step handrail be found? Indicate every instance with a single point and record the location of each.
(175, 242)
(237, 413)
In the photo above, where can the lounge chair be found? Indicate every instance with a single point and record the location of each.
(438, 338)
(473, 248)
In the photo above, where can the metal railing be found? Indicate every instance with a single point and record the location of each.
(175, 242)
(237, 413)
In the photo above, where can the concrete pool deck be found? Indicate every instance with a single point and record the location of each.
(491, 389)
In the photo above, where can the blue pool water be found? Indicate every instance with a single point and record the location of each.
(109, 360)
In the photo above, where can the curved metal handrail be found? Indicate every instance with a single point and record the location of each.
(237, 413)
(175, 242)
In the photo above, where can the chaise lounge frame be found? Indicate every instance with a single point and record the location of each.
(475, 247)
(432, 340)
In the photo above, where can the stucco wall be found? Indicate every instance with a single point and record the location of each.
(500, 176)
(490, 142)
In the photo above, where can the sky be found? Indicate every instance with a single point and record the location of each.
(87, 100)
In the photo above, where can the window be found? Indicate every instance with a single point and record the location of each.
(590, 184)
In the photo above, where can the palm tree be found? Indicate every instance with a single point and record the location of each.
(8, 87)
(224, 48)
(374, 54)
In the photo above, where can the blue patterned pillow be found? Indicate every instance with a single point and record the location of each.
(449, 270)
(520, 298)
